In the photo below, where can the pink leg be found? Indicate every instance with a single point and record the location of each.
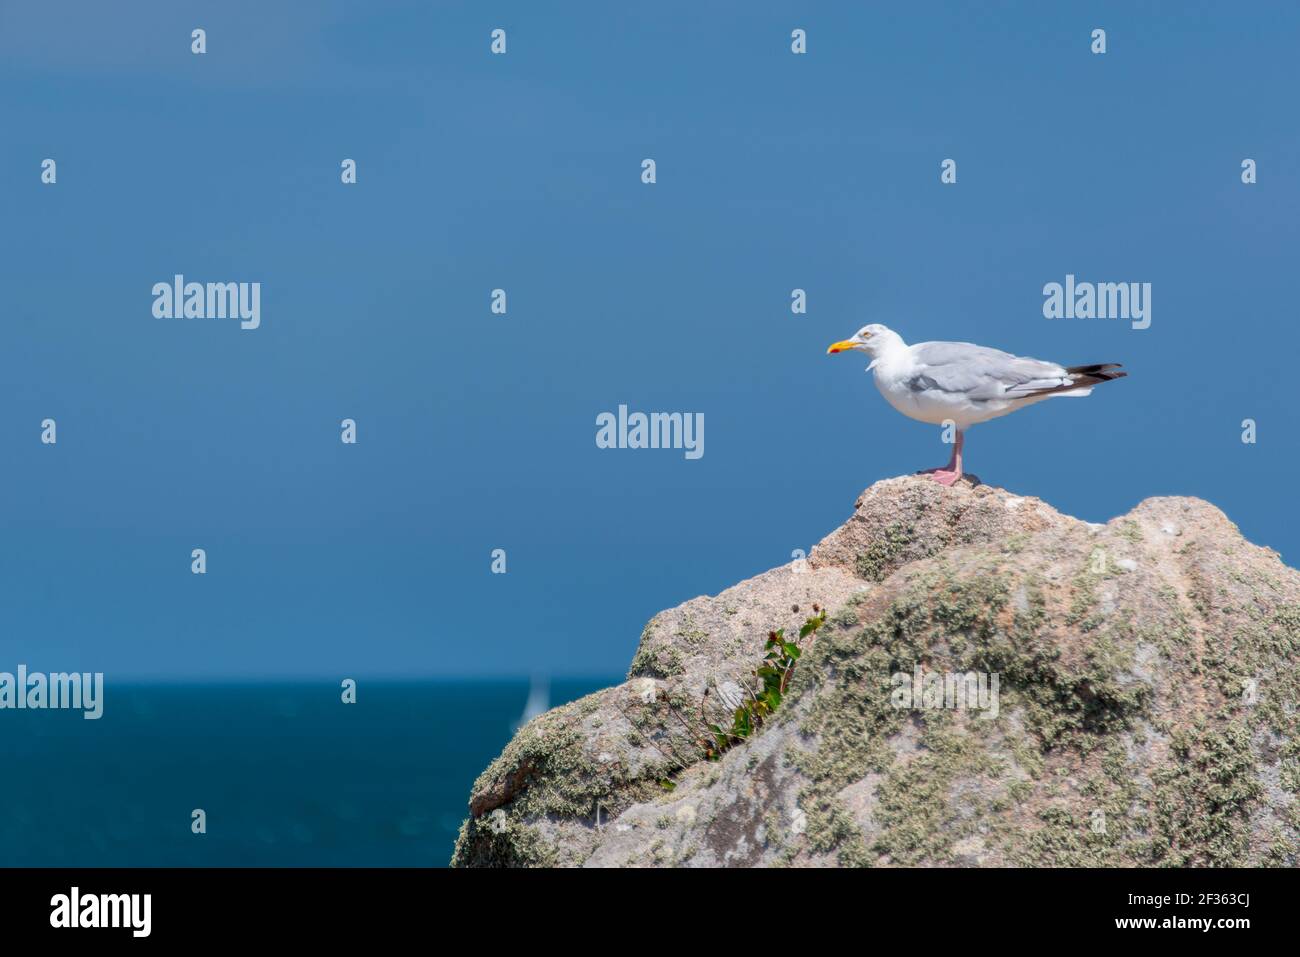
(950, 473)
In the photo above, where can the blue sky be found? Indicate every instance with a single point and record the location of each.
(522, 171)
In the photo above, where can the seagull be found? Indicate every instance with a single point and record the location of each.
(962, 383)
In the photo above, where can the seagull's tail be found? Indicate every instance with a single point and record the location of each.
(1101, 371)
(1082, 379)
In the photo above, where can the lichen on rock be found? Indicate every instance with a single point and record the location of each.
(1147, 689)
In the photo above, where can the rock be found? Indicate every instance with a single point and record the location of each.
(1143, 713)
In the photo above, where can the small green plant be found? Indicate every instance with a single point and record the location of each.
(773, 675)
(713, 736)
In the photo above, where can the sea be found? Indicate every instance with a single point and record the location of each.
(286, 775)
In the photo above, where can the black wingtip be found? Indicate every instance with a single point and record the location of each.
(1095, 369)
(1095, 378)
(1081, 380)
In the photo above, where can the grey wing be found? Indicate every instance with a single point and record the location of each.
(980, 373)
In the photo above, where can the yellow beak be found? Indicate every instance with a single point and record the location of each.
(843, 345)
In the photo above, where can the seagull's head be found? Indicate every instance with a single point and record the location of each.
(869, 339)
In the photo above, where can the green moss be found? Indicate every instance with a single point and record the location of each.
(654, 659)
(774, 829)
(846, 617)
(832, 829)
(952, 620)
(879, 559)
(1103, 826)
(920, 820)
(502, 841)
(1059, 840)
(1083, 600)
(691, 636)
(1204, 798)
(1016, 543)
(545, 772)
(1130, 531)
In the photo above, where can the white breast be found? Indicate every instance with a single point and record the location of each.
(922, 406)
